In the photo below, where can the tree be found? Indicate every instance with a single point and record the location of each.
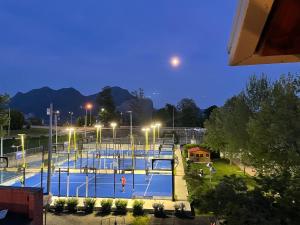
(17, 120)
(215, 136)
(236, 115)
(165, 115)
(189, 113)
(106, 105)
(232, 201)
(207, 112)
(141, 107)
(274, 131)
(3, 112)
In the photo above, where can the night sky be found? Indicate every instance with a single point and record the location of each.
(127, 43)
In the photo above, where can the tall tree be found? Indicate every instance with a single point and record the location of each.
(165, 115)
(208, 111)
(3, 112)
(17, 120)
(189, 113)
(106, 105)
(215, 134)
(274, 130)
(141, 107)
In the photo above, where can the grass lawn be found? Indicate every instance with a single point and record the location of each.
(222, 166)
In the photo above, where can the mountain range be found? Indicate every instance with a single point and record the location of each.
(35, 102)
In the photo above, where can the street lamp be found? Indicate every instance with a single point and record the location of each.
(22, 137)
(89, 106)
(146, 130)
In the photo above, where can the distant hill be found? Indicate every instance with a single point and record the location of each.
(36, 101)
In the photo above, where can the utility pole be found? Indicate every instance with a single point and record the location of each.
(50, 113)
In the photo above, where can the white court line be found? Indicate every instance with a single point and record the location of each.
(149, 181)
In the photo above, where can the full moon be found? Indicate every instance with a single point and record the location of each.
(175, 61)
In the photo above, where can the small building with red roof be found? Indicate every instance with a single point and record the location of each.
(199, 154)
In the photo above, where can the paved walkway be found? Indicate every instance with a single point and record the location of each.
(248, 169)
(181, 191)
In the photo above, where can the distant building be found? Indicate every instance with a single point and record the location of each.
(199, 154)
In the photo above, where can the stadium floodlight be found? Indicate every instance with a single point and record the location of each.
(98, 133)
(113, 125)
(158, 125)
(70, 130)
(146, 130)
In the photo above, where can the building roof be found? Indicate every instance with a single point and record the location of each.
(265, 31)
(197, 149)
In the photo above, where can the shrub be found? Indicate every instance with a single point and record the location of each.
(59, 205)
(159, 209)
(106, 205)
(138, 207)
(141, 220)
(121, 206)
(89, 205)
(72, 204)
(179, 208)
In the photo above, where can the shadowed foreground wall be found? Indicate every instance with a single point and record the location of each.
(25, 201)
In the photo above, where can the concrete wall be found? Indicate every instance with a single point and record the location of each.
(27, 201)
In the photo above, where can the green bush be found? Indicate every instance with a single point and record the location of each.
(106, 205)
(159, 209)
(138, 207)
(141, 220)
(121, 206)
(89, 205)
(72, 204)
(179, 209)
(59, 205)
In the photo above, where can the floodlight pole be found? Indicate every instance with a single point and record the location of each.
(50, 112)
(85, 122)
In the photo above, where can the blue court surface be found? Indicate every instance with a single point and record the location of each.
(5, 176)
(102, 186)
(110, 163)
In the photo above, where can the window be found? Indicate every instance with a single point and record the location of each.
(197, 155)
(207, 155)
(191, 154)
(201, 155)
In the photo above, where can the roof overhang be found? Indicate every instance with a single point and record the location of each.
(265, 31)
